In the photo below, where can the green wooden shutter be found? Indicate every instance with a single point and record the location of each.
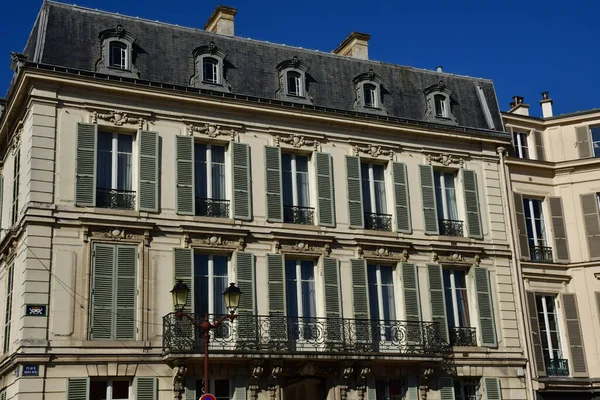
(246, 321)
(575, 338)
(1, 197)
(561, 247)
(410, 284)
(190, 388)
(401, 197)
(446, 384)
(492, 389)
(487, 323)
(472, 204)
(277, 309)
(589, 206)
(326, 206)
(331, 267)
(371, 389)
(78, 389)
(360, 296)
(126, 290)
(412, 388)
(539, 145)
(584, 144)
(146, 388)
(429, 202)
(521, 226)
(148, 191)
(273, 179)
(240, 392)
(242, 199)
(184, 153)
(9, 305)
(438, 302)
(184, 271)
(85, 187)
(355, 204)
(3, 394)
(103, 292)
(538, 351)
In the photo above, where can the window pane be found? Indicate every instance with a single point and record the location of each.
(595, 132)
(217, 154)
(440, 105)
(373, 294)
(98, 390)
(366, 187)
(370, 96)
(104, 161)
(308, 299)
(220, 277)
(221, 391)
(120, 390)
(448, 297)
(437, 177)
(303, 195)
(449, 181)
(287, 183)
(218, 181)
(200, 170)
(291, 288)
(201, 284)
(389, 309)
(117, 55)
(294, 83)
(125, 162)
(210, 70)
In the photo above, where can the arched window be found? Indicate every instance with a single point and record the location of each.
(441, 106)
(118, 55)
(210, 70)
(370, 95)
(294, 84)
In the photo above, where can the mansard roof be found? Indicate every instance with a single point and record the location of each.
(68, 36)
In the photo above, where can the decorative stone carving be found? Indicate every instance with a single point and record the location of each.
(16, 141)
(424, 379)
(211, 130)
(274, 380)
(501, 150)
(477, 259)
(434, 257)
(179, 380)
(347, 373)
(297, 141)
(215, 241)
(117, 234)
(380, 252)
(254, 387)
(307, 247)
(118, 118)
(404, 256)
(445, 159)
(374, 151)
(361, 382)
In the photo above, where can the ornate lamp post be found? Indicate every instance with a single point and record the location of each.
(232, 296)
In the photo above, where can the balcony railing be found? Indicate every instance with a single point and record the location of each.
(378, 222)
(557, 367)
(217, 208)
(281, 334)
(463, 336)
(115, 199)
(299, 215)
(450, 227)
(541, 253)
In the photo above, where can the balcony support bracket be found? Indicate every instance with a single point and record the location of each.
(179, 380)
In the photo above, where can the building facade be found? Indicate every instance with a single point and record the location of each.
(358, 205)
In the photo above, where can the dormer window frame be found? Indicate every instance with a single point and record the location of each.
(299, 69)
(217, 68)
(121, 37)
(210, 52)
(298, 77)
(126, 55)
(364, 82)
(439, 104)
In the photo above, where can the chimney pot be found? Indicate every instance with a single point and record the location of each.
(356, 45)
(439, 68)
(221, 21)
(545, 95)
(517, 106)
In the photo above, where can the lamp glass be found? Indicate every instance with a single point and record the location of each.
(180, 294)
(232, 297)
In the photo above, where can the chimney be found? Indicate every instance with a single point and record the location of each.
(546, 103)
(518, 107)
(221, 21)
(439, 68)
(356, 45)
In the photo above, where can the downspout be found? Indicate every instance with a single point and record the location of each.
(517, 277)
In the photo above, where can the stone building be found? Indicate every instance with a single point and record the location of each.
(359, 206)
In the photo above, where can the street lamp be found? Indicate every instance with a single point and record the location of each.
(232, 297)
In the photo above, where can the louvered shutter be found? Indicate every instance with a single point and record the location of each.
(538, 351)
(332, 298)
(486, 310)
(360, 299)
(240, 392)
(429, 202)
(575, 338)
(492, 389)
(539, 145)
(3, 394)
(184, 149)
(9, 305)
(326, 206)
(401, 197)
(1, 198)
(277, 309)
(410, 283)
(589, 204)
(145, 388)
(273, 179)
(184, 271)
(85, 187)
(438, 302)
(412, 389)
(246, 321)
(190, 388)
(561, 248)
(355, 204)
(148, 171)
(472, 204)
(103, 292)
(584, 144)
(242, 199)
(446, 385)
(521, 226)
(126, 290)
(78, 389)
(371, 389)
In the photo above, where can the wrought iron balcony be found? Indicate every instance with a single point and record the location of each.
(280, 334)
(541, 254)
(115, 199)
(299, 215)
(378, 222)
(217, 208)
(557, 367)
(463, 336)
(450, 227)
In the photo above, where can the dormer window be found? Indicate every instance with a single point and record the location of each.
(117, 55)
(210, 70)
(294, 84)
(370, 95)
(292, 81)
(368, 89)
(438, 99)
(441, 110)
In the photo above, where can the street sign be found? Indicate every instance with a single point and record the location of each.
(208, 396)
(31, 370)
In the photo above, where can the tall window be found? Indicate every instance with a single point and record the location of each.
(14, 215)
(441, 106)
(117, 55)
(595, 133)
(381, 297)
(447, 209)
(209, 186)
(536, 230)
(296, 196)
(388, 389)
(300, 293)
(466, 389)
(294, 84)
(211, 278)
(220, 388)
(457, 308)
(521, 148)
(374, 200)
(111, 389)
(370, 95)
(548, 320)
(114, 180)
(210, 70)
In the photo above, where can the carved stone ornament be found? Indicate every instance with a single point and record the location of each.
(117, 234)
(381, 253)
(445, 159)
(361, 382)
(374, 151)
(425, 377)
(274, 381)
(297, 141)
(211, 130)
(347, 373)
(118, 118)
(215, 241)
(301, 247)
(16, 141)
(179, 380)
(501, 150)
(254, 388)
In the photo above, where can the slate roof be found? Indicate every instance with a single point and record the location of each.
(69, 38)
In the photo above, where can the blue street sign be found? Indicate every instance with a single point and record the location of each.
(31, 370)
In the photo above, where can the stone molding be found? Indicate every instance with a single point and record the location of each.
(297, 141)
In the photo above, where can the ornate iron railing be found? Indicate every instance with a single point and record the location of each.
(462, 336)
(217, 208)
(378, 222)
(271, 334)
(557, 367)
(451, 227)
(541, 253)
(299, 215)
(115, 199)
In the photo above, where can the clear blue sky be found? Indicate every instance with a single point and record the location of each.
(525, 46)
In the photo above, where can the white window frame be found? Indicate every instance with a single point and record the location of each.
(595, 145)
(443, 194)
(455, 299)
(209, 166)
(442, 100)
(544, 241)
(295, 179)
(216, 66)
(211, 278)
(547, 325)
(109, 387)
(379, 286)
(375, 93)
(298, 79)
(115, 159)
(520, 137)
(125, 54)
(299, 282)
(373, 205)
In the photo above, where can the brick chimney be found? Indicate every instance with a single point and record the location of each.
(546, 103)
(356, 45)
(517, 106)
(221, 21)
